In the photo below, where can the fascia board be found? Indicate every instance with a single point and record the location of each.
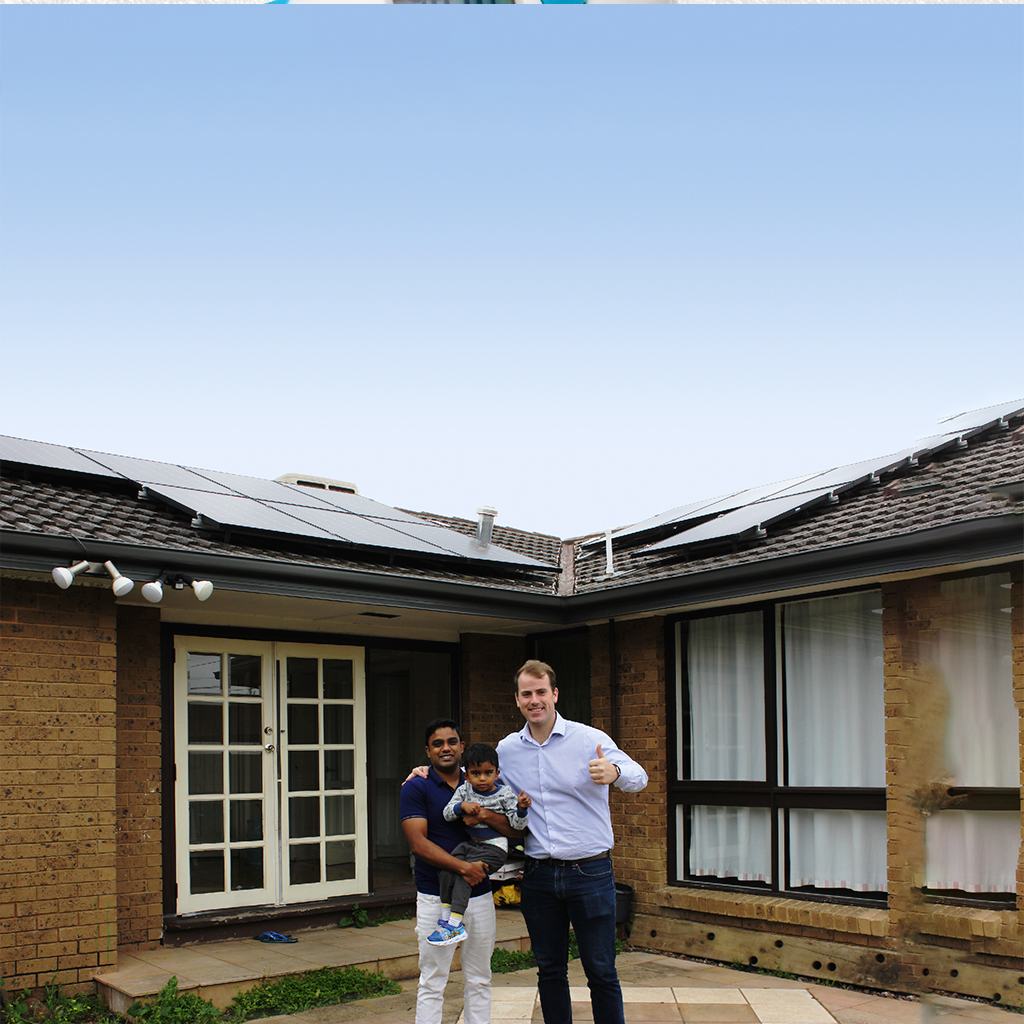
(972, 542)
(35, 552)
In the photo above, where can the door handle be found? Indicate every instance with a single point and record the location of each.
(268, 747)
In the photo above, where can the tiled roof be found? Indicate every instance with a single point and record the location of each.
(954, 485)
(536, 545)
(951, 487)
(100, 511)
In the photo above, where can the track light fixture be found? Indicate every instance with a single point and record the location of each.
(65, 577)
(154, 592)
(121, 585)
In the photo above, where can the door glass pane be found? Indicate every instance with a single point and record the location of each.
(304, 863)
(206, 773)
(246, 772)
(247, 868)
(245, 675)
(340, 814)
(303, 770)
(206, 871)
(205, 822)
(339, 769)
(205, 724)
(246, 821)
(303, 726)
(338, 723)
(204, 675)
(302, 679)
(244, 723)
(337, 679)
(303, 816)
(341, 860)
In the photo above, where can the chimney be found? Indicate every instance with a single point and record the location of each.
(485, 524)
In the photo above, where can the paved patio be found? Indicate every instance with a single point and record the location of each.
(656, 988)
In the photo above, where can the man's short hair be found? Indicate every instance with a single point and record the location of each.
(477, 753)
(441, 723)
(535, 668)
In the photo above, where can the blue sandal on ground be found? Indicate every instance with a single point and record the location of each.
(274, 937)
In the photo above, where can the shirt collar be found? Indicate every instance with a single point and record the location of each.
(437, 780)
(559, 728)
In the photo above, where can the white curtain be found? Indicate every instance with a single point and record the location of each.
(976, 851)
(725, 671)
(725, 667)
(835, 723)
(814, 857)
(729, 842)
(835, 691)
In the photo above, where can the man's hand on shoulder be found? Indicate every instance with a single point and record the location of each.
(419, 772)
(602, 771)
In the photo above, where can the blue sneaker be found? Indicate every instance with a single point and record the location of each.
(446, 934)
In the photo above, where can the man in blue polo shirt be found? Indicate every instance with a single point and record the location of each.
(432, 839)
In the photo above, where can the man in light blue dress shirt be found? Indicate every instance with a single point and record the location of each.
(567, 768)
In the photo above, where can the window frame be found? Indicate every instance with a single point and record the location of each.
(772, 793)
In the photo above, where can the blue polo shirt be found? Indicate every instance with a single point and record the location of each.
(427, 798)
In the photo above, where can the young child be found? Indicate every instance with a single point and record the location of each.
(486, 792)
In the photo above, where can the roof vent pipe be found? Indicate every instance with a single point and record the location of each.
(609, 558)
(485, 524)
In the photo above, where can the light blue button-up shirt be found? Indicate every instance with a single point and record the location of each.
(569, 818)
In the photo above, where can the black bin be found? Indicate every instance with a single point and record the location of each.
(623, 902)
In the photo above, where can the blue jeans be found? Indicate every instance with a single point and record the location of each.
(582, 894)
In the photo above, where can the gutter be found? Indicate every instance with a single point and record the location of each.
(995, 539)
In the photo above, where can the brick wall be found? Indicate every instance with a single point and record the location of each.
(57, 698)
(639, 819)
(139, 895)
(489, 711)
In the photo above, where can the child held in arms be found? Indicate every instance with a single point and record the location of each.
(481, 790)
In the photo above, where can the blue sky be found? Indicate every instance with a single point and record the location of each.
(583, 266)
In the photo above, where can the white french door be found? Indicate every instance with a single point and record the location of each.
(270, 773)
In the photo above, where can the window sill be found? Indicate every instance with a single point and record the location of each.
(833, 917)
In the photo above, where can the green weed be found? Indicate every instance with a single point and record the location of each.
(54, 1007)
(173, 1007)
(298, 992)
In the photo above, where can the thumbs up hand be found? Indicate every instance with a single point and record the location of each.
(602, 771)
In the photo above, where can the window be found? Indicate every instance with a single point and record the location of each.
(973, 844)
(780, 751)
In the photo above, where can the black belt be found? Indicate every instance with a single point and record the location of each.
(555, 862)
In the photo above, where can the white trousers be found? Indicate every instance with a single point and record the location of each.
(436, 961)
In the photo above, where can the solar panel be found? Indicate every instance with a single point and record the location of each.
(843, 475)
(743, 520)
(236, 510)
(145, 471)
(356, 529)
(356, 504)
(261, 490)
(49, 456)
(468, 547)
(967, 421)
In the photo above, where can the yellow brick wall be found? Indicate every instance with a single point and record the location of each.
(489, 711)
(139, 782)
(638, 819)
(57, 783)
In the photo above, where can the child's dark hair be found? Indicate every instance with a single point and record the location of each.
(477, 753)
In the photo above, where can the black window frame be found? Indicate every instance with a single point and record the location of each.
(772, 793)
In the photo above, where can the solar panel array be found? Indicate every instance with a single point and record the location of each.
(233, 501)
(748, 512)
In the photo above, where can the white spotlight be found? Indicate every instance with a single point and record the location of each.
(203, 589)
(65, 577)
(121, 585)
(153, 592)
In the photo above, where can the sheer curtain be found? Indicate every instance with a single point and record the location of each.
(976, 851)
(835, 721)
(725, 673)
